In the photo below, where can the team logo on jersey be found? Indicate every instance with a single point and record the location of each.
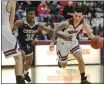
(71, 29)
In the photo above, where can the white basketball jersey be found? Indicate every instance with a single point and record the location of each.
(5, 14)
(70, 31)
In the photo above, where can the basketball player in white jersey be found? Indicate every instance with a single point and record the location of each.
(9, 44)
(70, 29)
(66, 33)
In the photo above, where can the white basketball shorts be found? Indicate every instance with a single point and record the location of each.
(9, 43)
(63, 49)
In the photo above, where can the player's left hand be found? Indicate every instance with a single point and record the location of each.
(51, 48)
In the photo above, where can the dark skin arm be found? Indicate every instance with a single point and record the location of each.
(17, 24)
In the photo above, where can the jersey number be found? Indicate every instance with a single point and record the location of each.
(29, 37)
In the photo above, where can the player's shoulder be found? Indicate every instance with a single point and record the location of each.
(67, 21)
(70, 20)
(19, 22)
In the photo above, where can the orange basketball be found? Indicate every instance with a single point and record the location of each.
(96, 42)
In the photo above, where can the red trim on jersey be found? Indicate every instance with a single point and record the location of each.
(74, 49)
(71, 22)
(12, 50)
(62, 57)
(10, 53)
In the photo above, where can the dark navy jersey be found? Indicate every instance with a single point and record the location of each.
(26, 33)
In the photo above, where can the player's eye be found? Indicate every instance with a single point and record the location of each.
(79, 16)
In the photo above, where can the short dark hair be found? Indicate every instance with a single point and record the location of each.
(30, 9)
(79, 9)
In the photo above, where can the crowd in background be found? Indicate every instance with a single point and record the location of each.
(53, 12)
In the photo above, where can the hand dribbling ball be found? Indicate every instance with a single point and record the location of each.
(96, 42)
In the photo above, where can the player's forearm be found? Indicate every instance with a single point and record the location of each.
(45, 27)
(90, 35)
(59, 27)
(88, 30)
(54, 36)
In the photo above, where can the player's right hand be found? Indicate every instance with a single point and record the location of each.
(51, 48)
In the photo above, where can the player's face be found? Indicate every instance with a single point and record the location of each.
(30, 16)
(78, 16)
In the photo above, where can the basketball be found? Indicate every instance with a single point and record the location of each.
(96, 42)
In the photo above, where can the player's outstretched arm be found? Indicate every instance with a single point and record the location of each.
(88, 30)
(17, 24)
(61, 26)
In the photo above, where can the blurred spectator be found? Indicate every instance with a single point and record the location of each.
(24, 4)
(35, 4)
(85, 7)
(40, 36)
(92, 9)
(20, 13)
(43, 11)
(75, 4)
(96, 22)
(89, 18)
(50, 23)
(63, 3)
(21, 8)
(54, 10)
(68, 10)
(101, 28)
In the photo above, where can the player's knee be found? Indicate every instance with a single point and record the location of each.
(30, 63)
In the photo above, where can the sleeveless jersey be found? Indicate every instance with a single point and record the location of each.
(5, 14)
(9, 43)
(70, 31)
(26, 33)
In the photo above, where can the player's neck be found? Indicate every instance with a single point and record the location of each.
(31, 23)
(76, 23)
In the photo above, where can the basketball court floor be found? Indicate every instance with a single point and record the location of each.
(54, 74)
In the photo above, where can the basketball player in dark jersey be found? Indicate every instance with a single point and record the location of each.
(27, 29)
